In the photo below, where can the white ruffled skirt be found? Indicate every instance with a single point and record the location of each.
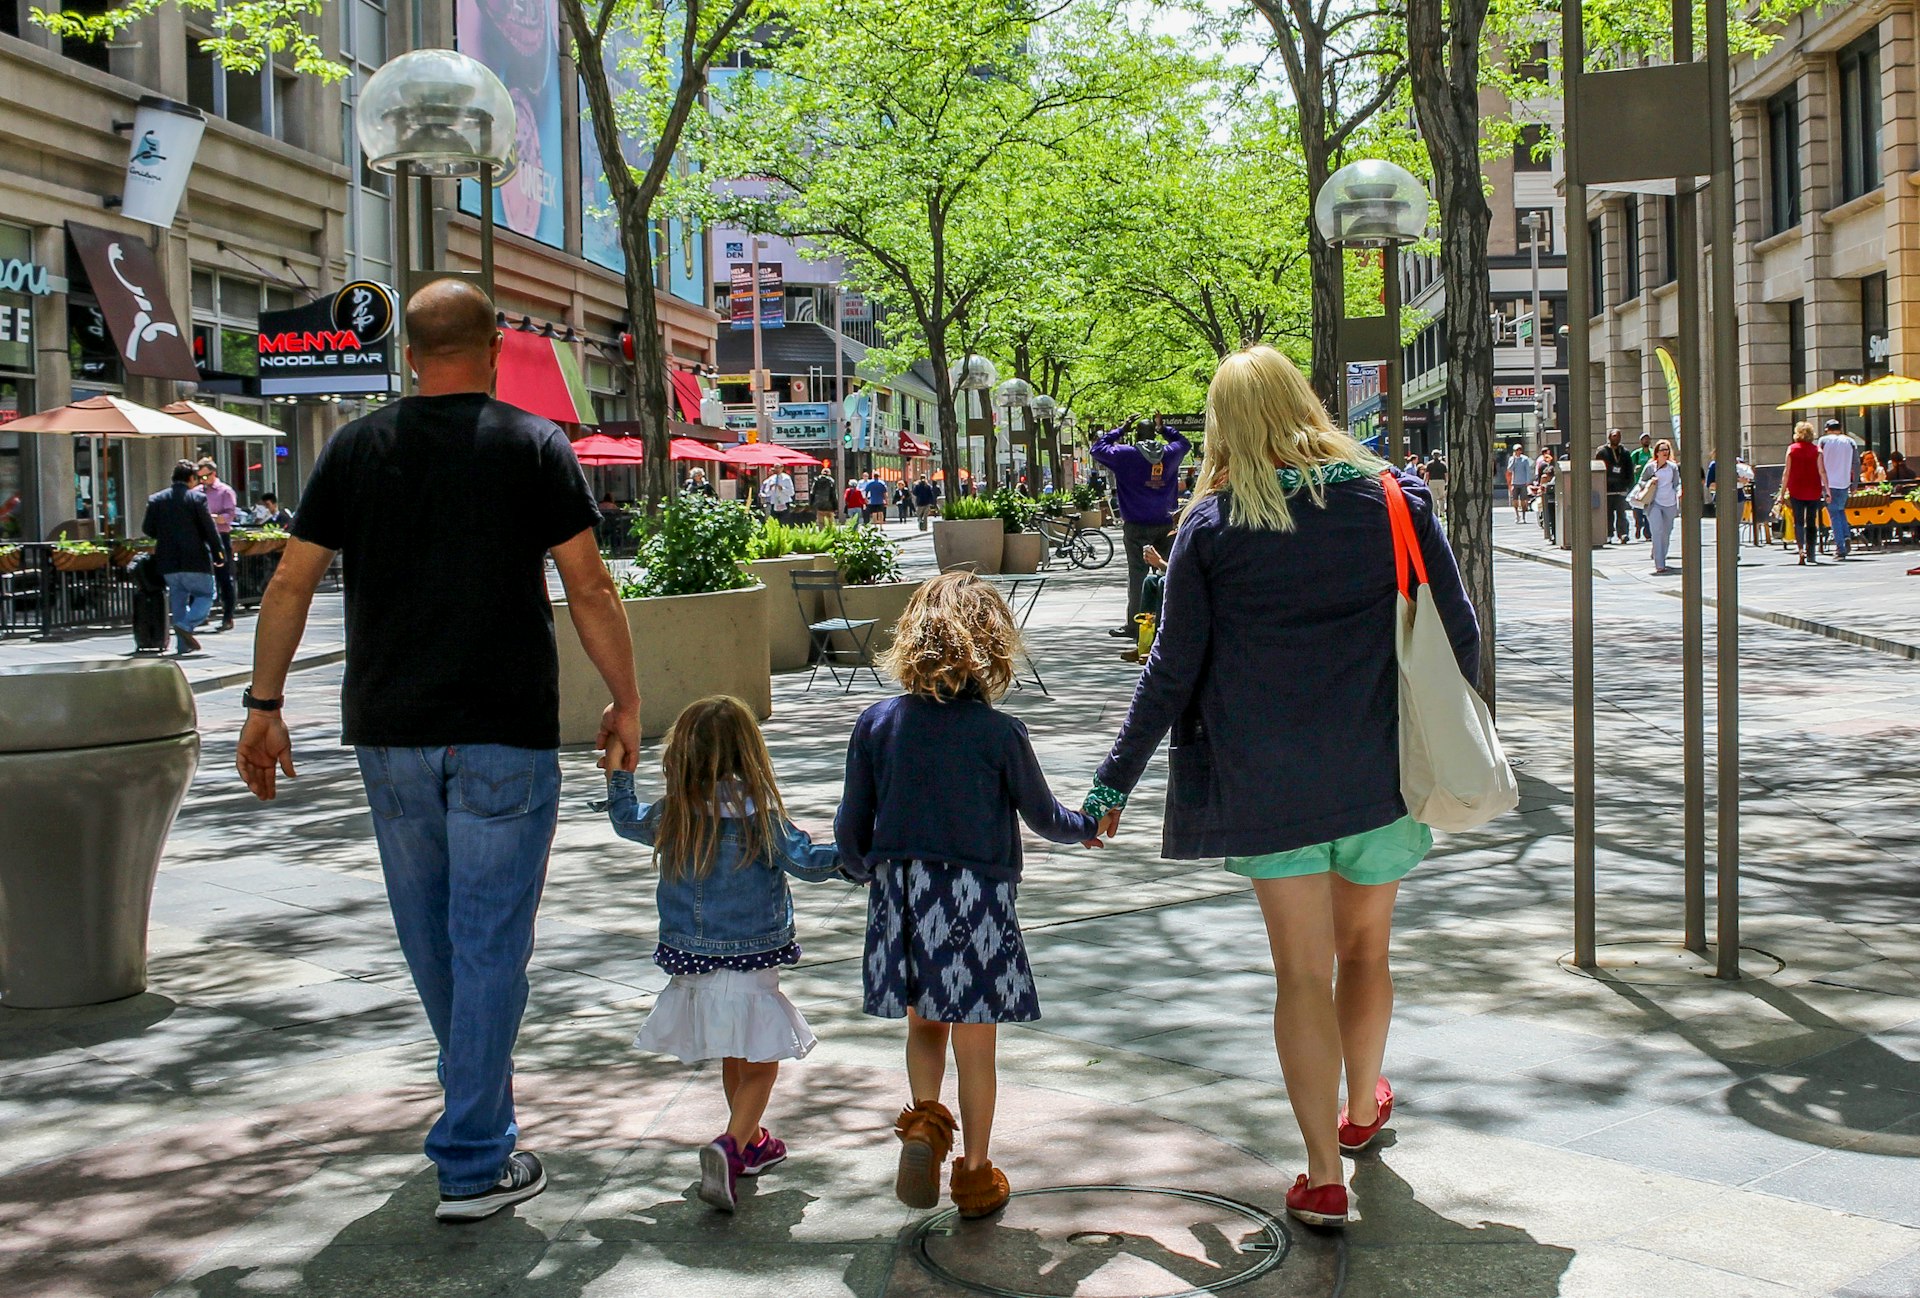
(726, 1014)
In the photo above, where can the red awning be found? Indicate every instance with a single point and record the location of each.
(535, 377)
(686, 388)
(912, 447)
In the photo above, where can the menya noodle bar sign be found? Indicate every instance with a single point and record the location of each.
(338, 345)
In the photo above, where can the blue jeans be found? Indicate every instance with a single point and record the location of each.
(1837, 517)
(190, 596)
(464, 834)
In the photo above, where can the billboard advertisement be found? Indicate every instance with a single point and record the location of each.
(599, 231)
(773, 296)
(520, 41)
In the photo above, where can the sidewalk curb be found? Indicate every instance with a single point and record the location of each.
(1811, 626)
(240, 676)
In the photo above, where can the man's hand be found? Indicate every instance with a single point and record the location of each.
(265, 748)
(620, 737)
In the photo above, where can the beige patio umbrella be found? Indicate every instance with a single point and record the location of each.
(224, 422)
(104, 417)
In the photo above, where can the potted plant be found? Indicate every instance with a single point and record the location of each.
(698, 620)
(869, 564)
(776, 551)
(10, 558)
(969, 532)
(1087, 501)
(265, 539)
(1022, 547)
(80, 556)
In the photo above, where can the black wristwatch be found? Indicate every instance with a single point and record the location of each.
(252, 704)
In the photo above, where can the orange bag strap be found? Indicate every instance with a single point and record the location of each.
(1406, 546)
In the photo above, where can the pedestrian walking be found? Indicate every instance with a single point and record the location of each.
(776, 494)
(823, 497)
(724, 847)
(875, 491)
(935, 780)
(924, 497)
(1520, 483)
(1545, 469)
(187, 552)
(1146, 475)
(856, 503)
(1275, 668)
(1838, 454)
(451, 699)
(1434, 471)
(1662, 501)
(697, 484)
(1620, 480)
(902, 501)
(1806, 488)
(1641, 455)
(225, 508)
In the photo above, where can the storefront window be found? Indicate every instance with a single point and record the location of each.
(1876, 352)
(16, 399)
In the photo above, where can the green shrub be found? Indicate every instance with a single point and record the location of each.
(78, 547)
(777, 540)
(960, 508)
(1084, 497)
(864, 556)
(698, 549)
(1015, 511)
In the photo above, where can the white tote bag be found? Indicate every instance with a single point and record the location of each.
(1453, 772)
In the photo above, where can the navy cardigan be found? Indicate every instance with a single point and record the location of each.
(933, 781)
(1275, 669)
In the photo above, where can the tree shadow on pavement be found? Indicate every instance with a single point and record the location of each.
(1400, 1248)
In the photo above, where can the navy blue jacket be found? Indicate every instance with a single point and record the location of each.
(933, 781)
(185, 539)
(1274, 667)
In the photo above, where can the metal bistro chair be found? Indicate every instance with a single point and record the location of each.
(830, 589)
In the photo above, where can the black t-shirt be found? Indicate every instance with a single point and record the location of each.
(1619, 462)
(443, 509)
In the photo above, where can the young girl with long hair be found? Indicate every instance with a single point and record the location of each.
(724, 846)
(937, 783)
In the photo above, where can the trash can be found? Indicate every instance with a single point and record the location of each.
(1564, 486)
(95, 759)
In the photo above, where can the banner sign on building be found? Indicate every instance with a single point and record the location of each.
(133, 297)
(520, 41)
(166, 138)
(855, 308)
(342, 345)
(773, 296)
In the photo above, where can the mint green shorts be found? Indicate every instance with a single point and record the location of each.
(1381, 855)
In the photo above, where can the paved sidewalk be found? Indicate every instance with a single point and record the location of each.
(251, 1125)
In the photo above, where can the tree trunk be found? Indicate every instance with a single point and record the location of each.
(943, 399)
(1446, 97)
(649, 364)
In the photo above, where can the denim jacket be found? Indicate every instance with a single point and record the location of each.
(738, 908)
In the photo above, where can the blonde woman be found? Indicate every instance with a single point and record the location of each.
(1664, 507)
(1274, 669)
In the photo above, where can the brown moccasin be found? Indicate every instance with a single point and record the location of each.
(979, 1191)
(926, 1138)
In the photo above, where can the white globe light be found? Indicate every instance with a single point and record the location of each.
(438, 111)
(973, 374)
(1017, 393)
(1045, 407)
(1371, 204)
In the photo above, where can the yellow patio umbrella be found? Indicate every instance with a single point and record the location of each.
(1832, 396)
(1888, 390)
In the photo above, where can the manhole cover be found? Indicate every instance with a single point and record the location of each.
(1667, 964)
(1104, 1241)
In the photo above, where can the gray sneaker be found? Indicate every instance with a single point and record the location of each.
(522, 1178)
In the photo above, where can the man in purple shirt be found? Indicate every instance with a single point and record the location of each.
(224, 507)
(1146, 480)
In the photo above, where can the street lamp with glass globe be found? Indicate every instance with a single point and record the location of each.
(436, 114)
(1014, 394)
(968, 375)
(1374, 204)
(1045, 411)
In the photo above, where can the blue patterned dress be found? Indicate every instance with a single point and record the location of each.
(944, 941)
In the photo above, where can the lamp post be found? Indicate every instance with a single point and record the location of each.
(431, 115)
(970, 374)
(1014, 394)
(1045, 408)
(1535, 221)
(1375, 204)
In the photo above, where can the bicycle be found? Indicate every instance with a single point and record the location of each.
(1083, 547)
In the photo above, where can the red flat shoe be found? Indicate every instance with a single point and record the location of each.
(1320, 1205)
(1353, 1136)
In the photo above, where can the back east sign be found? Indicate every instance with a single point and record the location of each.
(337, 346)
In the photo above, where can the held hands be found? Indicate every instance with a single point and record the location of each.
(615, 758)
(265, 749)
(620, 738)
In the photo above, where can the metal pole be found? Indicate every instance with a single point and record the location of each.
(486, 229)
(1726, 420)
(1396, 403)
(760, 432)
(1579, 516)
(1535, 220)
(403, 262)
(841, 425)
(1693, 693)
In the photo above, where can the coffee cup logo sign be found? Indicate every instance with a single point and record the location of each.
(166, 137)
(132, 295)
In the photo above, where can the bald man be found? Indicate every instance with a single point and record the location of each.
(451, 696)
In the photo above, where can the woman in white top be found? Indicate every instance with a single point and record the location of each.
(1665, 504)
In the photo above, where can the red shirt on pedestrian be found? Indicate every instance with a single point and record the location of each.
(1803, 471)
(855, 498)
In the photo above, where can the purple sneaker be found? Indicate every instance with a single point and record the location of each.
(720, 1169)
(768, 1151)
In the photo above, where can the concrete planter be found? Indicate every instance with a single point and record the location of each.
(787, 638)
(685, 647)
(1093, 518)
(1021, 552)
(883, 603)
(974, 541)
